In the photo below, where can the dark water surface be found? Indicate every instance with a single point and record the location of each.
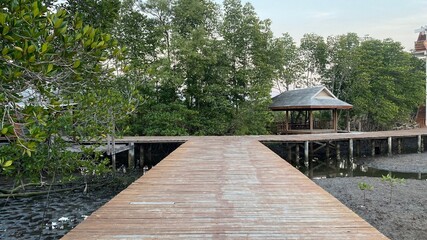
(44, 217)
(320, 167)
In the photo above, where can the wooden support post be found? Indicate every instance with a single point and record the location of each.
(150, 153)
(297, 154)
(287, 122)
(306, 153)
(113, 154)
(389, 146)
(373, 148)
(338, 155)
(141, 156)
(328, 154)
(419, 143)
(358, 148)
(335, 113)
(311, 120)
(338, 150)
(131, 156)
(350, 151)
(289, 150)
(399, 145)
(108, 145)
(113, 161)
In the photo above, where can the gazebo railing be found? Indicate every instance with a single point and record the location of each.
(317, 125)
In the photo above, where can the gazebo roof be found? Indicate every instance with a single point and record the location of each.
(308, 98)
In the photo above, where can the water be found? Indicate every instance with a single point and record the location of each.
(319, 167)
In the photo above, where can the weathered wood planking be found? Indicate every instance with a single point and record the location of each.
(222, 188)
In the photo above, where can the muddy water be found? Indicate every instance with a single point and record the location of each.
(410, 165)
(50, 217)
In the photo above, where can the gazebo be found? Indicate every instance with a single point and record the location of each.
(299, 106)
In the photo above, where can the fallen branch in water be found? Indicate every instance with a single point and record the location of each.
(22, 187)
(31, 194)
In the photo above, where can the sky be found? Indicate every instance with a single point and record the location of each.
(380, 19)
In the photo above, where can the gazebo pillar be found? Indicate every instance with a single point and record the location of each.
(311, 120)
(287, 121)
(335, 121)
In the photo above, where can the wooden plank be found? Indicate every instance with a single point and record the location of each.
(223, 187)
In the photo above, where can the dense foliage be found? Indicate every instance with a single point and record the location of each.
(52, 69)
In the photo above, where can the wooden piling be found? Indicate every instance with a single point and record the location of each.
(338, 151)
(328, 154)
(306, 153)
(389, 146)
(113, 154)
(113, 161)
(131, 155)
(141, 156)
(350, 151)
(357, 143)
(150, 153)
(289, 150)
(399, 145)
(373, 148)
(297, 153)
(419, 143)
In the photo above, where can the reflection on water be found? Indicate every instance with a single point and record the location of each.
(344, 168)
(317, 166)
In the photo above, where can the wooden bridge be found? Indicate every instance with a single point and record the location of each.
(230, 187)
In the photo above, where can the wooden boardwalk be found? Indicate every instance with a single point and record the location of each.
(224, 188)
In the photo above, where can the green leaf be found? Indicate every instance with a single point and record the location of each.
(78, 36)
(7, 164)
(9, 38)
(50, 38)
(76, 64)
(49, 68)
(31, 49)
(85, 29)
(3, 18)
(100, 44)
(5, 30)
(106, 37)
(44, 47)
(4, 130)
(5, 51)
(92, 34)
(79, 24)
(36, 10)
(87, 43)
(58, 23)
(18, 49)
(32, 59)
